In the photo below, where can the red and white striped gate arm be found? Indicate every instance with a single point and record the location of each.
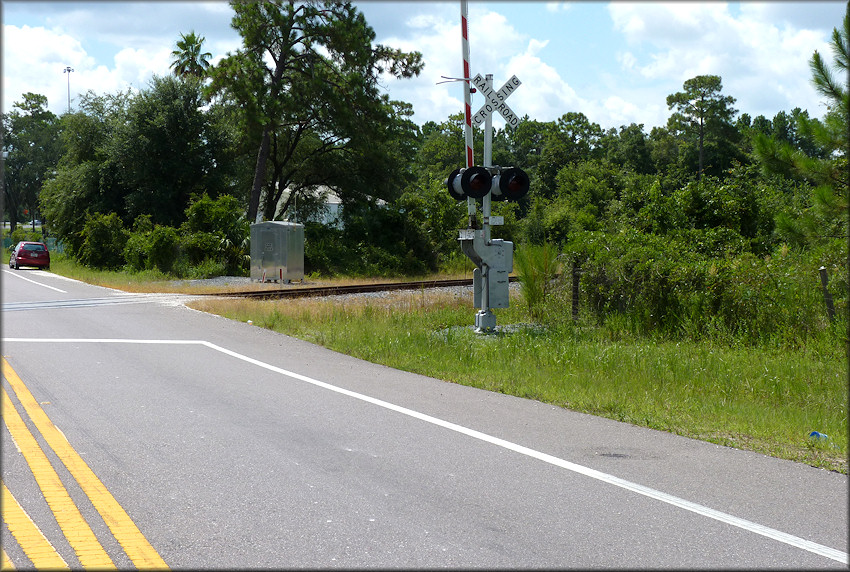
(467, 95)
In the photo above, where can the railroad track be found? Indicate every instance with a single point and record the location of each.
(317, 291)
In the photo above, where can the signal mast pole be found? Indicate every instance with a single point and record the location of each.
(492, 257)
(485, 319)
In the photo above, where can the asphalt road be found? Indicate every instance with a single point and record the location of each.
(223, 445)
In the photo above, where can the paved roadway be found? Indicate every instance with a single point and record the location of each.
(168, 437)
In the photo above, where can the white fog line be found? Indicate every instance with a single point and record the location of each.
(17, 274)
(771, 533)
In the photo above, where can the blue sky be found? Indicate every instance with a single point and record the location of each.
(614, 62)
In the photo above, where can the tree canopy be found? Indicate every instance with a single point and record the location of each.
(704, 114)
(31, 150)
(307, 80)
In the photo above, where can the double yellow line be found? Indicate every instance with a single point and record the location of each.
(77, 531)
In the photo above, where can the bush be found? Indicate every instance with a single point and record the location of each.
(199, 246)
(163, 249)
(664, 288)
(325, 251)
(217, 230)
(104, 239)
(136, 251)
(21, 234)
(364, 247)
(223, 216)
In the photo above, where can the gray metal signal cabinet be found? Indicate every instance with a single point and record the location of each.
(277, 251)
(498, 256)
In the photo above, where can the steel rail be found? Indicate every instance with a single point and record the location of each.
(318, 291)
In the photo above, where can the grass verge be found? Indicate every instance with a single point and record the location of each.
(763, 400)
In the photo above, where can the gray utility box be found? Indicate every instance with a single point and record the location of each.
(498, 255)
(277, 251)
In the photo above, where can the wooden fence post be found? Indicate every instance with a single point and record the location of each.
(576, 277)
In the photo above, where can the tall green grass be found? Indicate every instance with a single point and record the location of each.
(537, 267)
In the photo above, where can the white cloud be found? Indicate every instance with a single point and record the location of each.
(439, 41)
(620, 111)
(136, 67)
(112, 46)
(761, 57)
(555, 7)
(499, 49)
(438, 36)
(820, 16)
(760, 49)
(34, 60)
(546, 96)
(627, 60)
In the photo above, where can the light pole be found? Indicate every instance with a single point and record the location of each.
(68, 71)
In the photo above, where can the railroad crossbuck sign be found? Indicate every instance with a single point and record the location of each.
(495, 100)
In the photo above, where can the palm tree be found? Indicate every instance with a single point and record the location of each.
(188, 59)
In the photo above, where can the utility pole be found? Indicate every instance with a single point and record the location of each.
(68, 71)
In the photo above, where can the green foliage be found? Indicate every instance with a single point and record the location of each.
(188, 58)
(31, 141)
(703, 122)
(434, 215)
(22, 233)
(165, 122)
(818, 157)
(213, 239)
(373, 241)
(136, 250)
(533, 229)
(217, 229)
(108, 167)
(629, 149)
(221, 218)
(103, 241)
(573, 138)
(317, 115)
(163, 248)
(672, 288)
(537, 268)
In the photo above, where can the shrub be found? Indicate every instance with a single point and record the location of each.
(199, 246)
(21, 234)
(662, 287)
(136, 251)
(104, 239)
(216, 229)
(164, 242)
(223, 216)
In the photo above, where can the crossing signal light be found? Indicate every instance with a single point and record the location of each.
(509, 184)
(472, 182)
(512, 186)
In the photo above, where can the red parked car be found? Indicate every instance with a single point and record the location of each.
(30, 254)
